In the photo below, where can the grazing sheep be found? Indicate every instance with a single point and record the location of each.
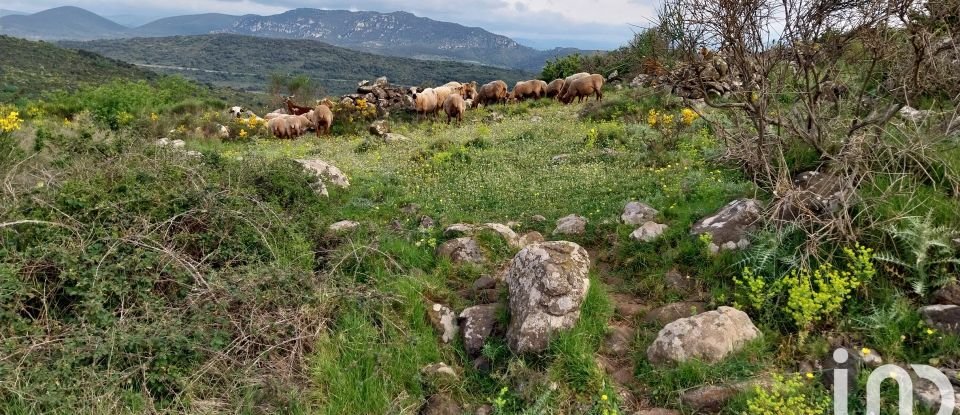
(279, 127)
(584, 87)
(470, 91)
(454, 106)
(289, 126)
(568, 80)
(443, 92)
(425, 102)
(322, 119)
(492, 92)
(528, 89)
(553, 88)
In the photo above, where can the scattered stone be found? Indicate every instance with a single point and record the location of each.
(929, 395)
(869, 357)
(394, 138)
(641, 80)
(379, 128)
(618, 341)
(547, 284)
(678, 282)
(482, 364)
(458, 230)
(427, 222)
(484, 410)
(571, 225)
(162, 141)
(484, 283)
(912, 114)
(477, 323)
(344, 226)
(944, 317)
(536, 118)
(638, 213)
(327, 173)
(194, 153)
(674, 311)
(530, 238)
(508, 234)
(410, 208)
(708, 337)
(710, 398)
(560, 158)
(494, 116)
(948, 294)
(538, 218)
(440, 404)
(627, 307)
(178, 143)
(462, 250)
(441, 372)
(513, 224)
(649, 232)
(728, 227)
(444, 320)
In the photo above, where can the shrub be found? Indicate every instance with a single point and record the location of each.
(924, 253)
(788, 395)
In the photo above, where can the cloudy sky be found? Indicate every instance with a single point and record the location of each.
(539, 23)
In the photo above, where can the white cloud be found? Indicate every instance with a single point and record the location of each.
(549, 22)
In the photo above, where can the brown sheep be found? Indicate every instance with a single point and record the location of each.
(454, 106)
(568, 80)
(584, 87)
(322, 119)
(425, 102)
(527, 89)
(281, 126)
(470, 91)
(444, 91)
(492, 93)
(553, 88)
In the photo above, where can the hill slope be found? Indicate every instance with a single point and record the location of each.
(66, 22)
(29, 68)
(396, 34)
(194, 24)
(246, 62)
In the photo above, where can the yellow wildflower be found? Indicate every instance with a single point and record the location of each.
(154, 117)
(652, 117)
(243, 133)
(688, 116)
(809, 375)
(865, 351)
(12, 122)
(603, 397)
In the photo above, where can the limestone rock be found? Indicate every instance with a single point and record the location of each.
(649, 232)
(327, 173)
(547, 284)
(343, 226)
(729, 227)
(571, 225)
(708, 337)
(444, 320)
(638, 213)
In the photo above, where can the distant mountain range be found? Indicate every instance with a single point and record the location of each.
(247, 62)
(392, 34)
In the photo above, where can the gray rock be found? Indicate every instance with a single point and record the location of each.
(657, 411)
(571, 225)
(484, 283)
(674, 311)
(913, 115)
(394, 138)
(638, 213)
(343, 226)
(649, 232)
(538, 218)
(708, 337)
(440, 372)
(444, 320)
(530, 238)
(427, 222)
(178, 143)
(710, 398)
(477, 323)
(678, 282)
(508, 234)
(547, 284)
(729, 226)
(944, 317)
(162, 141)
(618, 341)
(462, 250)
(379, 128)
(440, 404)
(948, 294)
(459, 229)
(327, 173)
(927, 393)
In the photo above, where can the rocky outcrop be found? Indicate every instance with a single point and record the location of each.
(708, 337)
(327, 173)
(547, 284)
(728, 228)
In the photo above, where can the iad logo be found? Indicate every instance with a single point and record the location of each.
(904, 383)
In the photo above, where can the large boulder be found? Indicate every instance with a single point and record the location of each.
(477, 324)
(729, 227)
(637, 213)
(327, 173)
(571, 225)
(463, 250)
(547, 283)
(708, 337)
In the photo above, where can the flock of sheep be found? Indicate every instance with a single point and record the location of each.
(453, 98)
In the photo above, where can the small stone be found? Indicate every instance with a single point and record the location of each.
(478, 323)
(538, 218)
(458, 230)
(426, 222)
(948, 294)
(394, 138)
(440, 371)
(649, 232)
(674, 311)
(710, 398)
(462, 251)
(344, 226)
(638, 213)
(678, 282)
(178, 143)
(627, 307)
(571, 225)
(618, 341)
(379, 128)
(484, 282)
(657, 411)
(162, 141)
(440, 404)
(482, 364)
(444, 320)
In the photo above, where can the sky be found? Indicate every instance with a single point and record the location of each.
(589, 24)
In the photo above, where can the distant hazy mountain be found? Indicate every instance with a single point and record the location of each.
(5, 12)
(195, 24)
(398, 34)
(66, 22)
(131, 20)
(246, 62)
